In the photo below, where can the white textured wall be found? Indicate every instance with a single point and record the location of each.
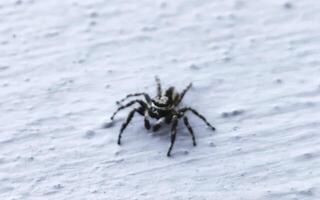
(63, 64)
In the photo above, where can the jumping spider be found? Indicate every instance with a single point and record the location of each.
(164, 108)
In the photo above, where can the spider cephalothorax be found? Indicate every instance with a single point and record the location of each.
(164, 108)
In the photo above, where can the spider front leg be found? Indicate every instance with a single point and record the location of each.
(146, 96)
(186, 122)
(125, 124)
(173, 133)
(143, 104)
(159, 89)
(146, 120)
(183, 110)
(157, 126)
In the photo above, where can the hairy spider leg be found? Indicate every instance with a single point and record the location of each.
(157, 126)
(186, 122)
(197, 114)
(173, 133)
(125, 124)
(159, 89)
(146, 96)
(146, 120)
(183, 93)
(143, 104)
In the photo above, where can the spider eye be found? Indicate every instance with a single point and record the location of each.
(161, 102)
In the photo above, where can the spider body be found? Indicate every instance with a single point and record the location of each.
(164, 107)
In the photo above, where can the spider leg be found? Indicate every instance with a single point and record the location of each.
(146, 120)
(168, 119)
(157, 126)
(143, 104)
(146, 96)
(186, 122)
(125, 124)
(184, 92)
(173, 133)
(159, 90)
(183, 110)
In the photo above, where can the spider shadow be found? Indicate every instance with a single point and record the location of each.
(165, 131)
(183, 140)
(111, 123)
(137, 133)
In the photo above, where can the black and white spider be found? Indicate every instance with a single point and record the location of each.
(164, 108)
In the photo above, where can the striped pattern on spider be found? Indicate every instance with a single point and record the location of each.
(164, 108)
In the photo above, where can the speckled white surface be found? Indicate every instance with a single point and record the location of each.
(63, 64)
